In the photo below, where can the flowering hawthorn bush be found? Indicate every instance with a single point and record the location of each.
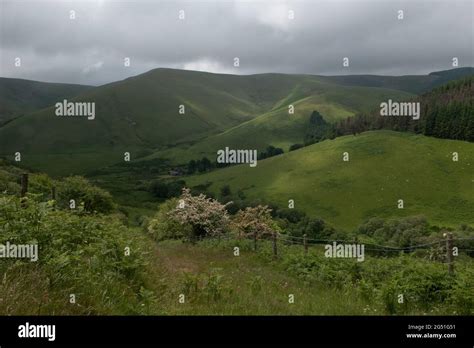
(207, 216)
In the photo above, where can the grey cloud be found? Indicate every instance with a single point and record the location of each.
(91, 48)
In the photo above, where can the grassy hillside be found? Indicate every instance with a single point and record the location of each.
(18, 97)
(140, 115)
(279, 128)
(384, 167)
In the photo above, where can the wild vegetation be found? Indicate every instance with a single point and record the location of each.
(134, 237)
(114, 269)
(419, 274)
(83, 255)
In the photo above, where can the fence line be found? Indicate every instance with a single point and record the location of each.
(383, 247)
(449, 247)
(287, 238)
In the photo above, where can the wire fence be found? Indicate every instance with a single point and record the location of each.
(444, 246)
(303, 240)
(296, 240)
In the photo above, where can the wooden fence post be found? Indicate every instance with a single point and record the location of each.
(305, 243)
(449, 252)
(275, 251)
(24, 184)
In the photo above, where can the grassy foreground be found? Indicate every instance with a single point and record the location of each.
(215, 282)
(112, 269)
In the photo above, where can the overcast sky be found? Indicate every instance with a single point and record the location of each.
(91, 48)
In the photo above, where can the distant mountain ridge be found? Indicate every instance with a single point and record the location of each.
(417, 84)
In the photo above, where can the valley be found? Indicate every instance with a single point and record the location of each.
(270, 166)
(252, 112)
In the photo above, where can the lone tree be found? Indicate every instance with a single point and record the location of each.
(206, 216)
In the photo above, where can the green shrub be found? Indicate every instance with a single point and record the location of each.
(81, 254)
(425, 285)
(162, 227)
(93, 198)
(462, 292)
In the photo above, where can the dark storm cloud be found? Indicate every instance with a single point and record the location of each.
(91, 48)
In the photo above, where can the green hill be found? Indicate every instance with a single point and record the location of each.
(279, 128)
(18, 97)
(384, 167)
(140, 115)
